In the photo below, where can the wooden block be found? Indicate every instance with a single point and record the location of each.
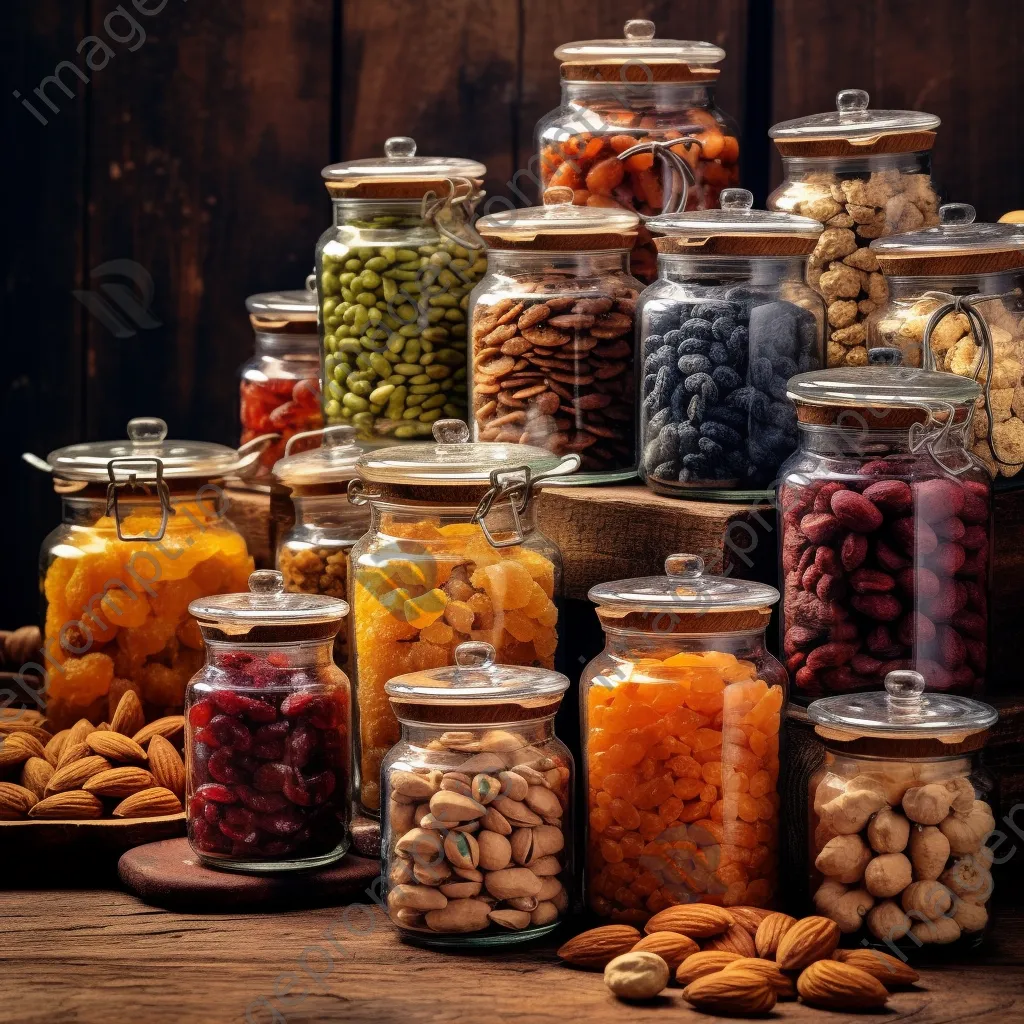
(249, 510)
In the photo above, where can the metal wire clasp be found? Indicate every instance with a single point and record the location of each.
(683, 177)
(930, 440)
(115, 486)
(433, 207)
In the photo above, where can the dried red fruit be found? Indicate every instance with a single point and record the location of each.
(950, 647)
(855, 512)
(915, 628)
(219, 794)
(948, 559)
(827, 561)
(922, 582)
(880, 643)
(200, 713)
(893, 496)
(794, 661)
(974, 537)
(824, 495)
(865, 665)
(819, 527)
(871, 581)
(830, 655)
(937, 499)
(971, 624)
(853, 551)
(843, 631)
(888, 558)
(883, 607)
(830, 588)
(950, 529)
(810, 577)
(914, 537)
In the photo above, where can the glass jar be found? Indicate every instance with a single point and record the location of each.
(313, 556)
(885, 532)
(626, 102)
(553, 335)
(144, 531)
(681, 717)
(863, 174)
(452, 554)
(900, 815)
(280, 387)
(728, 322)
(476, 843)
(393, 276)
(267, 722)
(956, 299)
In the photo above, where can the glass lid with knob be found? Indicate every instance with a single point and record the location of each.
(335, 461)
(853, 120)
(640, 45)
(882, 386)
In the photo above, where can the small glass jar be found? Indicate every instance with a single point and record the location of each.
(280, 387)
(313, 556)
(681, 714)
(393, 276)
(900, 815)
(267, 722)
(476, 843)
(452, 554)
(956, 296)
(863, 174)
(144, 531)
(885, 532)
(728, 322)
(552, 326)
(628, 104)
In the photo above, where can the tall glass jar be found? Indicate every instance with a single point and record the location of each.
(863, 174)
(885, 538)
(681, 712)
(552, 325)
(393, 276)
(144, 531)
(267, 722)
(728, 322)
(477, 835)
(452, 554)
(280, 387)
(628, 104)
(900, 814)
(956, 303)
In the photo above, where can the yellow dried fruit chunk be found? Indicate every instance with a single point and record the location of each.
(506, 583)
(519, 626)
(539, 567)
(438, 633)
(422, 611)
(83, 679)
(459, 616)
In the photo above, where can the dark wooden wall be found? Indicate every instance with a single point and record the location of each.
(197, 156)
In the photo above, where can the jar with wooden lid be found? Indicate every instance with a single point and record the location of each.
(280, 386)
(267, 722)
(639, 127)
(552, 324)
(863, 174)
(393, 276)
(885, 532)
(900, 817)
(477, 841)
(682, 713)
(956, 300)
(452, 554)
(145, 530)
(728, 322)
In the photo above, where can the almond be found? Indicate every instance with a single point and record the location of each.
(749, 918)
(129, 717)
(166, 765)
(55, 746)
(672, 947)
(15, 801)
(769, 934)
(121, 781)
(26, 742)
(892, 972)
(80, 730)
(599, 946)
(76, 774)
(35, 731)
(72, 805)
(698, 965)
(72, 752)
(832, 985)
(698, 920)
(114, 746)
(769, 970)
(149, 803)
(731, 993)
(734, 940)
(20, 718)
(810, 939)
(167, 727)
(35, 774)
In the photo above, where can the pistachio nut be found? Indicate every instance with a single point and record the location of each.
(545, 866)
(400, 872)
(542, 801)
(467, 915)
(461, 890)
(470, 874)
(501, 740)
(513, 785)
(546, 839)
(416, 897)
(527, 903)
(451, 785)
(543, 913)
(431, 874)
(413, 786)
(456, 807)
(514, 920)
(495, 821)
(495, 851)
(511, 882)
(485, 788)
(402, 817)
(521, 845)
(549, 889)
(531, 775)
(461, 850)
(422, 845)
(516, 812)
(486, 763)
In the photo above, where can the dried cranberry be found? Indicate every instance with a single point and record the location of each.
(239, 835)
(263, 803)
(219, 794)
(238, 704)
(223, 770)
(300, 746)
(270, 778)
(283, 822)
(200, 713)
(205, 736)
(235, 659)
(208, 837)
(296, 791)
(269, 750)
(275, 731)
(230, 732)
(212, 812)
(321, 786)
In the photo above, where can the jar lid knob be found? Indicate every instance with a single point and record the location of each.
(736, 199)
(399, 147)
(905, 689)
(267, 583)
(338, 435)
(147, 430)
(558, 195)
(687, 567)
(956, 214)
(638, 28)
(852, 101)
(451, 431)
(474, 654)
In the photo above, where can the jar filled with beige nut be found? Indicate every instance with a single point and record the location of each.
(552, 326)
(900, 816)
(863, 174)
(956, 304)
(477, 832)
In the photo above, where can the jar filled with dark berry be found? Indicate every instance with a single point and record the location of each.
(267, 731)
(730, 319)
(885, 532)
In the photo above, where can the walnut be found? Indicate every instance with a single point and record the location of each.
(861, 214)
(980, 424)
(1007, 374)
(962, 358)
(1001, 400)
(912, 330)
(823, 178)
(842, 313)
(814, 274)
(819, 208)
(874, 228)
(902, 215)
(1018, 400)
(857, 356)
(866, 307)
(863, 259)
(840, 282)
(948, 331)
(981, 451)
(877, 289)
(918, 188)
(840, 220)
(866, 193)
(834, 244)
(855, 334)
(1008, 444)
(1003, 344)
(836, 354)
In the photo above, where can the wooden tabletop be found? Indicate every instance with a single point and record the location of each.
(103, 956)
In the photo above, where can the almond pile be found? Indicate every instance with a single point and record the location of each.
(739, 961)
(124, 769)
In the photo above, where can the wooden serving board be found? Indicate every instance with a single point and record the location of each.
(104, 838)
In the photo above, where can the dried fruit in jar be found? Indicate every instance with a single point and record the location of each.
(278, 406)
(318, 570)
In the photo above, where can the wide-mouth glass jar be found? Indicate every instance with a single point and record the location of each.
(144, 531)
(863, 174)
(552, 325)
(900, 814)
(638, 127)
(681, 715)
(956, 296)
(280, 386)
(728, 322)
(477, 837)
(452, 554)
(885, 532)
(267, 722)
(393, 277)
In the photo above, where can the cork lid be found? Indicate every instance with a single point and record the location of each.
(287, 312)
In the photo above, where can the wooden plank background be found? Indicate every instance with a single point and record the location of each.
(196, 155)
